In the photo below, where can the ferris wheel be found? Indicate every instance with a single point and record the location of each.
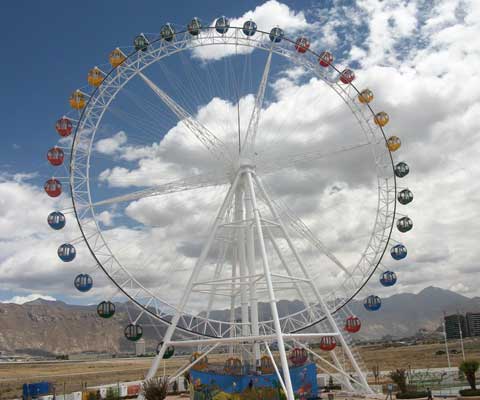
(236, 186)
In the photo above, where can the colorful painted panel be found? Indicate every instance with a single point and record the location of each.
(214, 386)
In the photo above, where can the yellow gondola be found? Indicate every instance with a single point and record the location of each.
(266, 365)
(382, 118)
(393, 143)
(95, 77)
(116, 57)
(366, 96)
(77, 100)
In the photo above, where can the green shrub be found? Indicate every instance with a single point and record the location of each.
(469, 392)
(155, 388)
(111, 394)
(469, 368)
(411, 395)
(399, 377)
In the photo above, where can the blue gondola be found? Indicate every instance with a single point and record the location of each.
(194, 27)
(249, 28)
(66, 252)
(167, 32)
(405, 196)
(133, 332)
(398, 252)
(83, 282)
(222, 24)
(401, 169)
(388, 278)
(106, 309)
(56, 220)
(372, 303)
(276, 35)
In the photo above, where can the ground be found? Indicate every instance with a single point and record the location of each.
(73, 375)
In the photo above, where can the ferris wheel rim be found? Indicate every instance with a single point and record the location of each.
(140, 305)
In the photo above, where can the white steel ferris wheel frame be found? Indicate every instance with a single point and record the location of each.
(159, 308)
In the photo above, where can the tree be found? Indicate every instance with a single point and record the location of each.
(376, 372)
(186, 380)
(155, 388)
(469, 368)
(110, 394)
(400, 378)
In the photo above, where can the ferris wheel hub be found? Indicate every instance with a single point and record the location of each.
(245, 163)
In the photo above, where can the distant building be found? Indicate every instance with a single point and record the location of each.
(453, 324)
(473, 323)
(140, 347)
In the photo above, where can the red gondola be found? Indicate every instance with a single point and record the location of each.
(55, 156)
(328, 343)
(302, 44)
(347, 76)
(325, 59)
(64, 127)
(298, 356)
(53, 187)
(353, 324)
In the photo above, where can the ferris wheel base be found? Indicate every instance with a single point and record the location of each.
(242, 198)
(261, 386)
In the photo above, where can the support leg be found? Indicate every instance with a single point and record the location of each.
(250, 243)
(330, 319)
(193, 277)
(273, 301)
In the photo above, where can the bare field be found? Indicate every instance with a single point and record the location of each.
(74, 375)
(419, 356)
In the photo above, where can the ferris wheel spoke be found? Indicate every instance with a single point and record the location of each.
(182, 185)
(252, 129)
(300, 227)
(211, 142)
(302, 159)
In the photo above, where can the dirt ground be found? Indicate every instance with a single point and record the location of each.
(75, 375)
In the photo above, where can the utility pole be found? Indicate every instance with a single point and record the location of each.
(461, 335)
(446, 343)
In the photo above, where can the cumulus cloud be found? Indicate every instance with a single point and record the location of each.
(267, 15)
(26, 299)
(423, 67)
(112, 144)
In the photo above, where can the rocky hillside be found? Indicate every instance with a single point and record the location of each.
(53, 327)
(44, 327)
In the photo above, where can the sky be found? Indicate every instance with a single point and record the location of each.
(421, 59)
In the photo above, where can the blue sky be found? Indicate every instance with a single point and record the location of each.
(50, 48)
(421, 58)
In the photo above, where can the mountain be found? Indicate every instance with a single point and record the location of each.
(43, 327)
(404, 314)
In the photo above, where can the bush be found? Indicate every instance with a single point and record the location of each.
(155, 388)
(399, 377)
(469, 392)
(111, 394)
(412, 395)
(469, 368)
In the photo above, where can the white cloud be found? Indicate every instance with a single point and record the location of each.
(267, 15)
(28, 298)
(429, 88)
(111, 145)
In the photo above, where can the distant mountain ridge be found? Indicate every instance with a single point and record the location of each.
(54, 327)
